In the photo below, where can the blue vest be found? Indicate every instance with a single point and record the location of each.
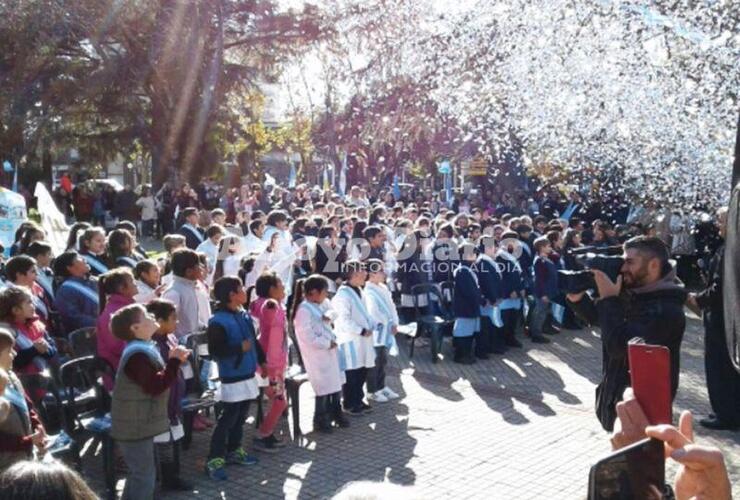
(238, 327)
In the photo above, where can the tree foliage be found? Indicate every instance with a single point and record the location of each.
(166, 75)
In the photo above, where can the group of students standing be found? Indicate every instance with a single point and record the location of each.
(340, 277)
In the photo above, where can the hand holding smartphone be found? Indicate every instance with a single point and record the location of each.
(636, 471)
(650, 377)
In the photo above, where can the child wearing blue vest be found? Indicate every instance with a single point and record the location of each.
(545, 288)
(139, 406)
(466, 305)
(233, 345)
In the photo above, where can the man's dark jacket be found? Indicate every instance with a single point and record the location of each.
(723, 382)
(653, 313)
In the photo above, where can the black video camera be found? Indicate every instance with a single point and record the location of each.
(608, 260)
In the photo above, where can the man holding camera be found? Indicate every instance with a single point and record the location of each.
(646, 302)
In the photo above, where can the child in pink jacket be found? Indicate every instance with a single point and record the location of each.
(117, 290)
(268, 310)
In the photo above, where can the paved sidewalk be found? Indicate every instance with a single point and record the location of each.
(518, 426)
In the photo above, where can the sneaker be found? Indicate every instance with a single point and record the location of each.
(341, 422)
(323, 427)
(240, 457)
(276, 442)
(356, 412)
(215, 469)
(366, 408)
(388, 393)
(378, 396)
(539, 339)
(512, 342)
(265, 445)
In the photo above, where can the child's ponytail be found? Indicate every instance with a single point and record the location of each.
(112, 282)
(250, 290)
(297, 298)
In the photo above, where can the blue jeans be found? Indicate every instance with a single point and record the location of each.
(539, 316)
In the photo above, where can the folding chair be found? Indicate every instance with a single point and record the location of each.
(429, 323)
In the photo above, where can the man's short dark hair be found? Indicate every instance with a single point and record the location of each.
(189, 211)
(20, 264)
(541, 243)
(161, 308)
(213, 230)
(184, 259)
(651, 246)
(275, 217)
(371, 232)
(255, 225)
(38, 248)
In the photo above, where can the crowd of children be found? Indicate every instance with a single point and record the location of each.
(254, 289)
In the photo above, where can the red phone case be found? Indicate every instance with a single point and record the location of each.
(650, 375)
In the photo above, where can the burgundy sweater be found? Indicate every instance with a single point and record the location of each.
(154, 382)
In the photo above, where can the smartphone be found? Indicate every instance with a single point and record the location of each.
(650, 376)
(634, 472)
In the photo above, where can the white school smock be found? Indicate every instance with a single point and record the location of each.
(380, 305)
(356, 351)
(314, 337)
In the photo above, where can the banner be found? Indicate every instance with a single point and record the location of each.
(343, 177)
(293, 176)
(52, 220)
(12, 215)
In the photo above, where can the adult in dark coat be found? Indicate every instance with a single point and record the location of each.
(723, 382)
(649, 307)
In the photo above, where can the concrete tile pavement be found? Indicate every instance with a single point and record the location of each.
(517, 426)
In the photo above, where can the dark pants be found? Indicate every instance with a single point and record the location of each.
(328, 408)
(482, 340)
(494, 335)
(227, 435)
(723, 382)
(147, 228)
(538, 317)
(376, 374)
(169, 461)
(463, 347)
(352, 389)
(510, 318)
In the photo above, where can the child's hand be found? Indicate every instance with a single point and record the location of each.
(180, 353)
(246, 346)
(38, 439)
(41, 346)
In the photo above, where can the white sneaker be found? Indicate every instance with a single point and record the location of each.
(379, 397)
(388, 393)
